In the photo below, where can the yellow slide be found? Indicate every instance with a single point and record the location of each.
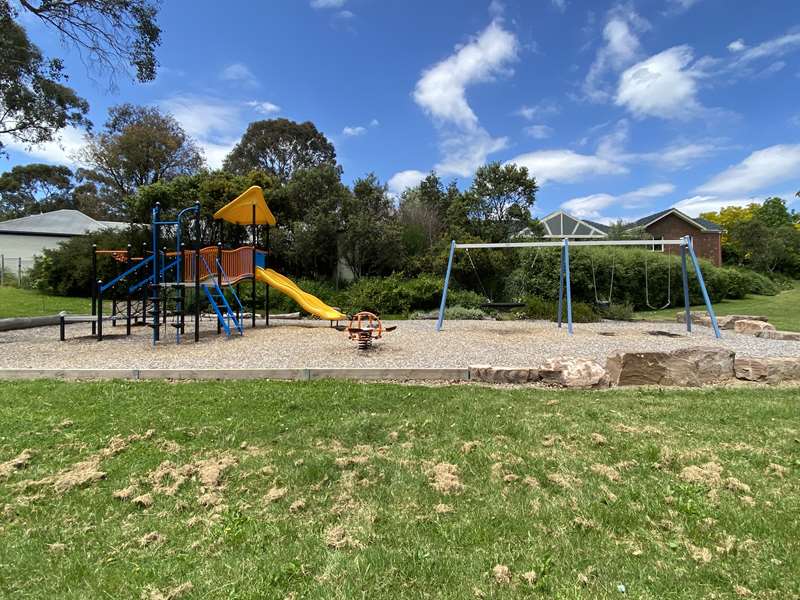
(309, 303)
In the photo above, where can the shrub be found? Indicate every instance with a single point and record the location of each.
(540, 308)
(463, 312)
(618, 312)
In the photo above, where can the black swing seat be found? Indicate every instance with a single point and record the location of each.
(502, 305)
(602, 305)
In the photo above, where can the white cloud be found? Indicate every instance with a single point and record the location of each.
(538, 111)
(265, 108)
(762, 168)
(621, 47)
(62, 151)
(241, 73)
(539, 132)
(560, 5)
(700, 204)
(374, 123)
(680, 155)
(403, 180)
(354, 131)
(775, 47)
(681, 5)
(327, 3)
(592, 206)
(441, 93)
(566, 166)
(215, 123)
(737, 45)
(663, 85)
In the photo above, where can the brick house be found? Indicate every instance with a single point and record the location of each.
(669, 224)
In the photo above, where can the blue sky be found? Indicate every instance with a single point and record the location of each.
(618, 108)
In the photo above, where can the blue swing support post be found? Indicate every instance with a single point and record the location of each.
(565, 283)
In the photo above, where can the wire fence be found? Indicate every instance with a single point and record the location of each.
(15, 270)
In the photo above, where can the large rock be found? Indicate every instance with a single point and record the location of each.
(683, 367)
(726, 322)
(774, 334)
(768, 369)
(752, 326)
(490, 374)
(566, 371)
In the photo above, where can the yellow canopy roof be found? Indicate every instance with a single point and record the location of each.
(240, 210)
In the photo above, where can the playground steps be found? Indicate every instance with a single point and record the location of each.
(222, 308)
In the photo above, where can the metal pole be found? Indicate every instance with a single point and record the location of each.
(128, 294)
(686, 305)
(702, 283)
(266, 287)
(144, 287)
(165, 295)
(2, 270)
(99, 310)
(156, 274)
(94, 289)
(446, 284)
(219, 280)
(197, 273)
(569, 286)
(255, 241)
(560, 288)
(182, 294)
(19, 272)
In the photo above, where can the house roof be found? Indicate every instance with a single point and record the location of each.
(702, 224)
(64, 222)
(560, 224)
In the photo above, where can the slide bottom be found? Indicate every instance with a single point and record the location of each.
(309, 303)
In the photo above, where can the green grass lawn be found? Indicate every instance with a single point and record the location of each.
(782, 310)
(341, 490)
(15, 302)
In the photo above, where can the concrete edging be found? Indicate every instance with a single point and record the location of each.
(305, 374)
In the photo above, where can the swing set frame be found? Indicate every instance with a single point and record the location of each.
(564, 283)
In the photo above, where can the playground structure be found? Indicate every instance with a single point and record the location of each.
(154, 286)
(564, 283)
(364, 327)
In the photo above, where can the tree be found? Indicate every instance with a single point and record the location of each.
(370, 240)
(501, 199)
(109, 34)
(28, 189)
(139, 146)
(620, 230)
(773, 212)
(280, 147)
(34, 104)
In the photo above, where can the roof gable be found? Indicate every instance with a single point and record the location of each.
(561, 224)
(64, 222)
(701, 224)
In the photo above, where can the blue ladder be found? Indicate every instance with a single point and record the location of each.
(218, 301)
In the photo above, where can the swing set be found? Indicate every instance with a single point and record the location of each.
(564, 283)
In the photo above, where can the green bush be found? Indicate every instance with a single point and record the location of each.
(540, 308)
(618, 312)
(464, 313)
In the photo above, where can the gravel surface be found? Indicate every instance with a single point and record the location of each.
(315, 344)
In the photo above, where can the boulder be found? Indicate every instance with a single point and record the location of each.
(726, 322)
(772, 369)
(566, 371)
(751, 326)
(490, 374)
(774, 334)
(683, 367)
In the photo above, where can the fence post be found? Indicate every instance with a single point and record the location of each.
(19, 272)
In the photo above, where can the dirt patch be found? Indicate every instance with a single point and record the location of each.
(605, 471)
(150, 539)
(338, 538)
(274, 494)
(709, 474)
(145, 500)
(87, 471)
(209, 500)
(584, 523)
(501, 574)
(468, 447)
(125, 493)
(167, 478)
(444, 478)
(18, 462)
(699, 554)
(297, 506)
(210, 471)
(598, 439)
(347, 461)
(776, 470)
(172, 594)
(530, 577)
(646, 429)
(563, 480)
(442, 509)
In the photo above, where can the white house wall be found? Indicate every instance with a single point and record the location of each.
(26, 247)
